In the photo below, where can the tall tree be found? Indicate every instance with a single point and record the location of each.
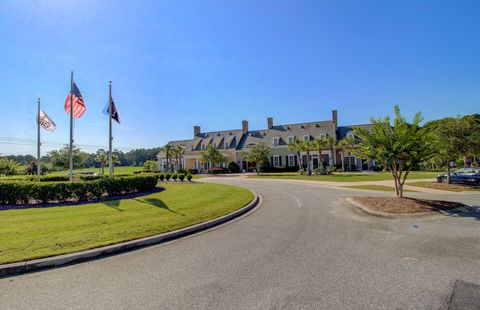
(59, 158)
(306, 147)
(101, 157)
(346, 145)
(399, 147)
(213, 156)
(296, 146)
(168, 151)
(319, 144)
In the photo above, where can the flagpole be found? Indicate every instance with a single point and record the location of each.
(110, 138)
(70, 151)
(39, 171)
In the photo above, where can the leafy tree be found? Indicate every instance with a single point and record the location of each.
(399, 147)
(454, 137)
(258, 154)
(60, 158)
(168, 151)
(212, 155)
(150, 165)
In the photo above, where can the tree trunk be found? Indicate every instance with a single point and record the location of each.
(309, 172)
(299, 162)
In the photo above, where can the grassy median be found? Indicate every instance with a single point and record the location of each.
(35, 233)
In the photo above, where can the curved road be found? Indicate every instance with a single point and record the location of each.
(304, 248)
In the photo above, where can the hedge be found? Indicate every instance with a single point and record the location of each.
(45, 192)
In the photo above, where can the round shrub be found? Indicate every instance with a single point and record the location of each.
(168, 176)
(161, 177)
(181, 177)
(189, 177)
(174, 176)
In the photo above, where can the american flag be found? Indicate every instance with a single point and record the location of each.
(78, 104)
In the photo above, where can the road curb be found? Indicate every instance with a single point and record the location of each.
(61, 260)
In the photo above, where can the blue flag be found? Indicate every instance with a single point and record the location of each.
(115, 115)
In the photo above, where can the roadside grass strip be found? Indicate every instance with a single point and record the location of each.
(346, 177)
(36, 233)
(376, 188)
(445, 187)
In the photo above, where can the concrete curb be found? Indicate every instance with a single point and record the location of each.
(394, 215)
(61, 260)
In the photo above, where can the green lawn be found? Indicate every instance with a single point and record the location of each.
(346, 177)
(117, 170)
(376, 188)
(34, 233)
(446, 187)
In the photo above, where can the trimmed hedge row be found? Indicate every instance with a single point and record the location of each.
(26, 192)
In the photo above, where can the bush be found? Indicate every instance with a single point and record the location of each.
(161, 177)
(233, 167)
(181, 170)
(168, 176)
(26, 191)
(174, 176)
(181, 177)
(189, 177)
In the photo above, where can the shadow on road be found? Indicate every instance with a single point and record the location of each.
(473, 212)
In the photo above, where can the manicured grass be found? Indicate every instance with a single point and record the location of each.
(117, 170)
(346, 177)
(446, 187)
(377, 188)
(34, 233)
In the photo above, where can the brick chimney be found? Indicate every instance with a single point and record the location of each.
(335, 119)
(269, 123)
(244, 126)
(196, 131)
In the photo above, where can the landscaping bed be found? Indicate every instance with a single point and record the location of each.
(396, 205)
(35, 233)
(446, 186)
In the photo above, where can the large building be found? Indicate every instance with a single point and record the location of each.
(231, 143)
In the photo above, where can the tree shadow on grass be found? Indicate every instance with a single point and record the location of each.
(114, 204)
(157, 203)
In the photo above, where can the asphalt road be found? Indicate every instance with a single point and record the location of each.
(304, 248)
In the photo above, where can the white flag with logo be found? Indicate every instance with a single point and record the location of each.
(46, 122)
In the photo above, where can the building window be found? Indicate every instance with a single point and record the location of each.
(323, 135)
(276, 161)
(291, 160)
(306, 138)
(290, 139)
(191, 148)
(325, 160)
(203, 147)
(276, 140)
(350, 135)
(214, 145)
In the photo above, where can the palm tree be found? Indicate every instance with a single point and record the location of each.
(179, 152)
(319, 144)
(115, 161)
(331, 143)
(346, 144)
(296, 145)
(167, 150)
(308, 146)
(101, 157)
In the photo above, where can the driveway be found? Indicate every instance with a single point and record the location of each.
(304, 248)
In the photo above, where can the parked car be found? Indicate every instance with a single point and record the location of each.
(469, 176)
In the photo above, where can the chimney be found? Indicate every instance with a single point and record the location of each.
(335, 119)
(244, 126)
(270, 123)
(196, 131)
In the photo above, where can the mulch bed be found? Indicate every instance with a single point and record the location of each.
(396, 205)
(34, 204)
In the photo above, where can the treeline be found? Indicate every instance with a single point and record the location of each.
(58, 160)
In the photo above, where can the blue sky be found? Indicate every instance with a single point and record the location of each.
(175, 64)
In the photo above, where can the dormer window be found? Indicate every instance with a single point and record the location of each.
(203, 147)
(215, 145)
(276, 141)
(306, 138)
(350, 135)
(290, 139)
(191, 148)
